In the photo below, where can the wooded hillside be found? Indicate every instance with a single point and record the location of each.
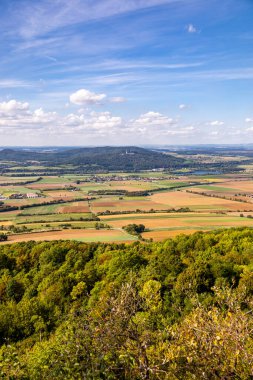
(180, 309)
(100, 158)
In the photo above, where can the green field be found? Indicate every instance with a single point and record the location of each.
(52, 218)
(219, 189)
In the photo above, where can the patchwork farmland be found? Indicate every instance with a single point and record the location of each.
(97, 208)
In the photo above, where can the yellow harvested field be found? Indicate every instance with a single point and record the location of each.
(177, 199)
(5, 223)
(130, 186)
(61, 194)
(26, 201)
(151, 223)
(242, 186)
(178, 220)
(161, 235)
(85, 235)
(120, 185)
(125, 205)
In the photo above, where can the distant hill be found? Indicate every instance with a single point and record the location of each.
(100, 158)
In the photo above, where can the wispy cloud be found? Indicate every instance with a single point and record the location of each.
(13, 83)
(38, 18)
(136, 64)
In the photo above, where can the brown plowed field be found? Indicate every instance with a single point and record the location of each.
(73, 209)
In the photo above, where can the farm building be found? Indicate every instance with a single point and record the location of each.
(32, 195)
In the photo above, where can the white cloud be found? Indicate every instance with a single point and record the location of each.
(12, 107)
(19, 120)
(39, 116)
(93, 120)
(189, 128)
(117, 99)
(237, 132)
(104, 120)
(154, 119)
(248, 120)
(183, 106)
(154, 126)
(17, 117)
(86, 97)
(216, 123)
(191, 28)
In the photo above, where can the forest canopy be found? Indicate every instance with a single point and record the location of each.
(180, 309)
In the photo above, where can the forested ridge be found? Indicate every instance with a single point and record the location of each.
(105, 159)
(100, 158)
(179, 309)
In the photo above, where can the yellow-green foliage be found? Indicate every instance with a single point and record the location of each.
(181, 309)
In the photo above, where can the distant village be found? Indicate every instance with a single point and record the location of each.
(21, 196)
(117, 178)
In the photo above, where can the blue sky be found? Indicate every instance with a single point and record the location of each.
(85, 72)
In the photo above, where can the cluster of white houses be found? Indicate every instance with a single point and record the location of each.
(20, 196)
